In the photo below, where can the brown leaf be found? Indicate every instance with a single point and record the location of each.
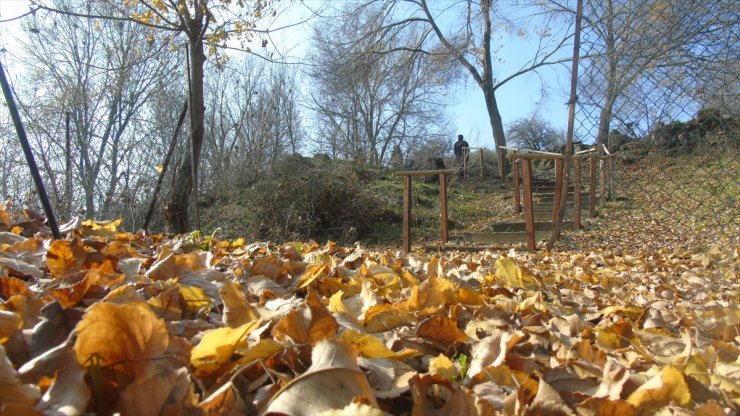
(548, 402)
(226, 401)
(123, 336)
(384, 317)
(163, 393)
(10, 286)
(267, 266)
(65, 257)
(437, 396)
(167, 304)
(12, 391)
(332, 382)
(595, 406)
(237, 310)
(441, 329)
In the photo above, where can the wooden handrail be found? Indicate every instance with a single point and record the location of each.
(424, 172)
(407, 175)
(541, 156)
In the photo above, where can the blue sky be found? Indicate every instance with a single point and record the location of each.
(516, 99)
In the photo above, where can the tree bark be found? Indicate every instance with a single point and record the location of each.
(497, 126)
(611, 77)
(176, 210)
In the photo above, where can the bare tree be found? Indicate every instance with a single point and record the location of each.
(534, 132)
(370, 100)
(251, 120)
(633, 46)
(205, 24)
(464, 30)
(102, 76)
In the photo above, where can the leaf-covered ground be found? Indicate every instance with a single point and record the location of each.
(105, 321)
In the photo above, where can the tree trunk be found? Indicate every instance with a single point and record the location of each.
(497, 127)
(176, 210)
(611, 77)
(486, 83)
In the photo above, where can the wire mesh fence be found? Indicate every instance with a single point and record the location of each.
(659, 87)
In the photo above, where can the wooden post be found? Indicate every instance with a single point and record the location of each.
(528, 203)
(481, 161)
(610, 192)
(443, 206)
(466, 155)
(577, 192)
(604, 179)
(406, 214)
(558, 189)
(517, 197)
(592, 190)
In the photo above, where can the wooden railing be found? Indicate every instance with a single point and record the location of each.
(524, 161)
(407, 175)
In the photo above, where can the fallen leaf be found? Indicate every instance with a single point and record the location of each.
(123, 336)
(217, 346)
(441, 329)
(443, 367)
(10, 322)
(384, 317)
(666, 387)
(226, 401)
(65, 257)
(163, 393)
(331, 382)
(12, 391)
(237, 310)
(508, 271)
(68, 394)
(369, 346)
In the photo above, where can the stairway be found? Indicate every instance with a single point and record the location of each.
(543, 196)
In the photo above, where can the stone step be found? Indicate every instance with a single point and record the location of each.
(570, 205)
(551, 189)
(502, 227)
(504, 238)
(547, 215)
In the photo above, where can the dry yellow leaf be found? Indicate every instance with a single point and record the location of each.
(167, 304)
(666, 387)
(237, 310)
(432, 296)
(443, 367)
(195, 298)
(501, 375)
(218, 345)
(264, 349)
(312, 273)
(101, 228)
(370, 346)
(384, 317)
(508, 271)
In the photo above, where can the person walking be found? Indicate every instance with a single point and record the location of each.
(462, 153)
